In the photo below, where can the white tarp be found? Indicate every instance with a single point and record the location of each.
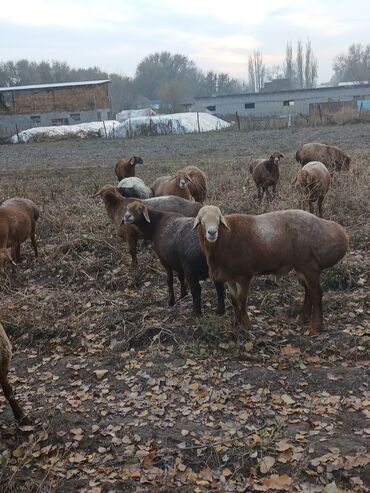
(126, 114)
(177, 123)
(79, 131)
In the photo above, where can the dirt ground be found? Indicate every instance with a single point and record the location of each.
(126, 394)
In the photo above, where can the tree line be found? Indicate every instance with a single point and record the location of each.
(172, 78)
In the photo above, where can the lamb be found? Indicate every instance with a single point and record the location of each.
(239, 246)
(177, 247)
(333, 157)
(134, 187)
(18, 218)
(197, 184)
(173, 185)
(126, 167)
(5, 357)
(116, 205)
(314, 180)
(265, 173)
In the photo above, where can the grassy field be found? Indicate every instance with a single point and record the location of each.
(126, 394)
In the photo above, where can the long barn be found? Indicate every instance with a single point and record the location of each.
(53, 104)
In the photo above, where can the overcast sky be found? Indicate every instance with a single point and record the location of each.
(117, 34)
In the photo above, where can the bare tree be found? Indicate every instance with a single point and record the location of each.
(310, 70)
(289, 69)
(256, 72)
(299, 64)
(353, 66)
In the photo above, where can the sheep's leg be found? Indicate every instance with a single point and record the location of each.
(181, 277)
(310, 204)
(307, 303)
(220, 289)
(233, 296)
(259, 193)
(319, 203)
(242, 296)
(132, 243)
(33, 241)
(8, 392)
(171, 294)
(16, 252)
(315, 294)
(196, 292)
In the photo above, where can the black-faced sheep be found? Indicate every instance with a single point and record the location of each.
(239, 246)
(126, 167)
(314, 181)
(178, 249)
(265, 173)
(333, 157)
(134, 187)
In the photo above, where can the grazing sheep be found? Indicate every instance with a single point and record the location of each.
(134, 187)
(5, 357)
(176, 184)
(333, 157)
(314, 181)
(116, 205)
(18, 218)
(177, 247)
(265, 173)
(239, 247)
(197, 184)
(126, 167)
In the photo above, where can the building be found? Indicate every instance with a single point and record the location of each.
(53, 104)
(289, 102)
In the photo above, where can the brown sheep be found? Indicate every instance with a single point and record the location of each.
(265, 173)
(5, 357)
(240, 246)
(126, 167)
(176, 184)
(18, 218)
(116, 205)
(333, 157)
(314, 181)
(197, 184)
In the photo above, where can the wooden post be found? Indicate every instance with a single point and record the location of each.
(16, 129)
(105, 129)
(361, 107)
(198, 122)
(320, 113)
(237, 119)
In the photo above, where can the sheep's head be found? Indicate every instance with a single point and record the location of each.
(135, 160)
(276, 156)
(108, 193)
(210, 218)
(135, 212)
(182, 179)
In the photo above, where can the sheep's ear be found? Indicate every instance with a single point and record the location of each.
(132, 161)
(196, 222)
(187, 177)
(224, 222)
(281, 155)
(97, 193)
(146, 215)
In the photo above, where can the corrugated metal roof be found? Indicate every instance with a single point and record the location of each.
(52, 86)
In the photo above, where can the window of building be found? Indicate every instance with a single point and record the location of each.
(211, 108)
(98, 114)
(36, 119)
(288, 102)
(60, 121)
(76, 117)
(249, 106)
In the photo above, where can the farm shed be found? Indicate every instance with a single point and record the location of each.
(284, 103)
(53, 104)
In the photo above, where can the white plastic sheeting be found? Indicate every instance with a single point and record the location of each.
(126, 114)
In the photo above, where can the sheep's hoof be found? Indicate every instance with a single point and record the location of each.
(197, 313)
(171, 302)
(220, 311)
(24, 421)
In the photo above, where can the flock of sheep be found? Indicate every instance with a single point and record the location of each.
(196, 241)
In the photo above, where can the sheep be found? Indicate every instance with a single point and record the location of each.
(115, 206)
(173, 185)
(5, 357)
(239, 246)
(18, 218)
(134, 187)
(333, 157)
(314, 180)
(126, 167)
(177, 247)
(197, 184)
(265, 173)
